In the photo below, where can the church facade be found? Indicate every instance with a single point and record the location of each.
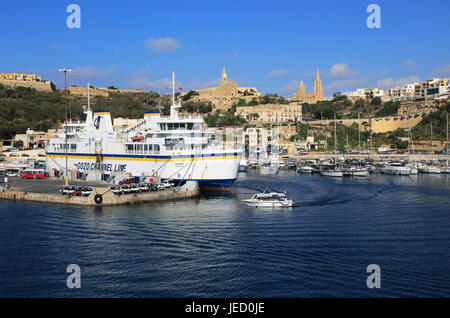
(227, 89)
(310, 98)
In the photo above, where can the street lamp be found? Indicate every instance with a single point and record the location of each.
(65, 128)
(65, 75)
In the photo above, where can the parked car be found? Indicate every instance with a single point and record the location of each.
(167, 183)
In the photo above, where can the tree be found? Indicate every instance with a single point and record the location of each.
(18, 144)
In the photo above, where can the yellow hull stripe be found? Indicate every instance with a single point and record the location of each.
(145, 159)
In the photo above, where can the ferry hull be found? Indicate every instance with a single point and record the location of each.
(214, 171)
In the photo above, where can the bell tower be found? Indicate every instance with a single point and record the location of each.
(318, 88)
(224, 77)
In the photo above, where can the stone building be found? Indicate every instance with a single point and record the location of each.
(226, 94)
(311, 98)
(14, 80)
(271, 113)
(31, 138)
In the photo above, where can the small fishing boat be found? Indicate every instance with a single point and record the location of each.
(269, 200)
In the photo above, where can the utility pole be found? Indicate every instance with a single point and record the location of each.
(65, 128)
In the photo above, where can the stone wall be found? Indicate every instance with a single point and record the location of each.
(44, 86)
(377, 125)
(93, 91)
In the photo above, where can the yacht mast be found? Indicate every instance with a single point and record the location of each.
(335, 141)
(359, 134)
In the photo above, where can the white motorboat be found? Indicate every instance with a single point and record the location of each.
(243, 165)
(270, 200)
(305, 169)
(268, 169)
(414, 170)
(332, 173)
(357, 172)
(398, 170)
(430, 169)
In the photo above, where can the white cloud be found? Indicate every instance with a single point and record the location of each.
(390, 82)
(290, 88)
(146, 84)
(86, 73)
(410, 65)
(277, 73)
(163, 45)
(344, 85)
(308, 74)
(341, 70)
(443, 71)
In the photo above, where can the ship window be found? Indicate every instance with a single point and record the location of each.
(156, 147)
(170, 126)
(150, 148)
(145, 148)
(189, 126)
(129, 148)
(176, 126)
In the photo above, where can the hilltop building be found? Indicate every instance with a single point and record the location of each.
(14, 80)
(227, 89)
(365, 94)
(435, 88)
(311, 98)
(226, 94)
(271, 113)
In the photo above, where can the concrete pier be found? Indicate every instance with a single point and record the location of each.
(22, 193)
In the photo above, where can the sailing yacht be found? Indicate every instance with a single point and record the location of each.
(332, 170)
(430, 168)
(446, 169)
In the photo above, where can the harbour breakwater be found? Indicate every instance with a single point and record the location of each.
(102, 196)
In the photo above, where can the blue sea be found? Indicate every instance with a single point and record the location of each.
(215, 246)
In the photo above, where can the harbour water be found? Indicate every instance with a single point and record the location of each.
(215, 246)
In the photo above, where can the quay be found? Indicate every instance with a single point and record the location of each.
(47, 191)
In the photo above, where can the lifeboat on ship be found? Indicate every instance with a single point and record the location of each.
(137, 138)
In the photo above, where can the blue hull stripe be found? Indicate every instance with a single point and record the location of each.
(213, 183)
(144, 156)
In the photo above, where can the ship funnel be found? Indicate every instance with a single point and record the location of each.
(101, 121)
(151, 118)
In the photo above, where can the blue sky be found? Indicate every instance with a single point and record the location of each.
(271, 45)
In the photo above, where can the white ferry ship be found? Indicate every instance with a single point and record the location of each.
(176, 148)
